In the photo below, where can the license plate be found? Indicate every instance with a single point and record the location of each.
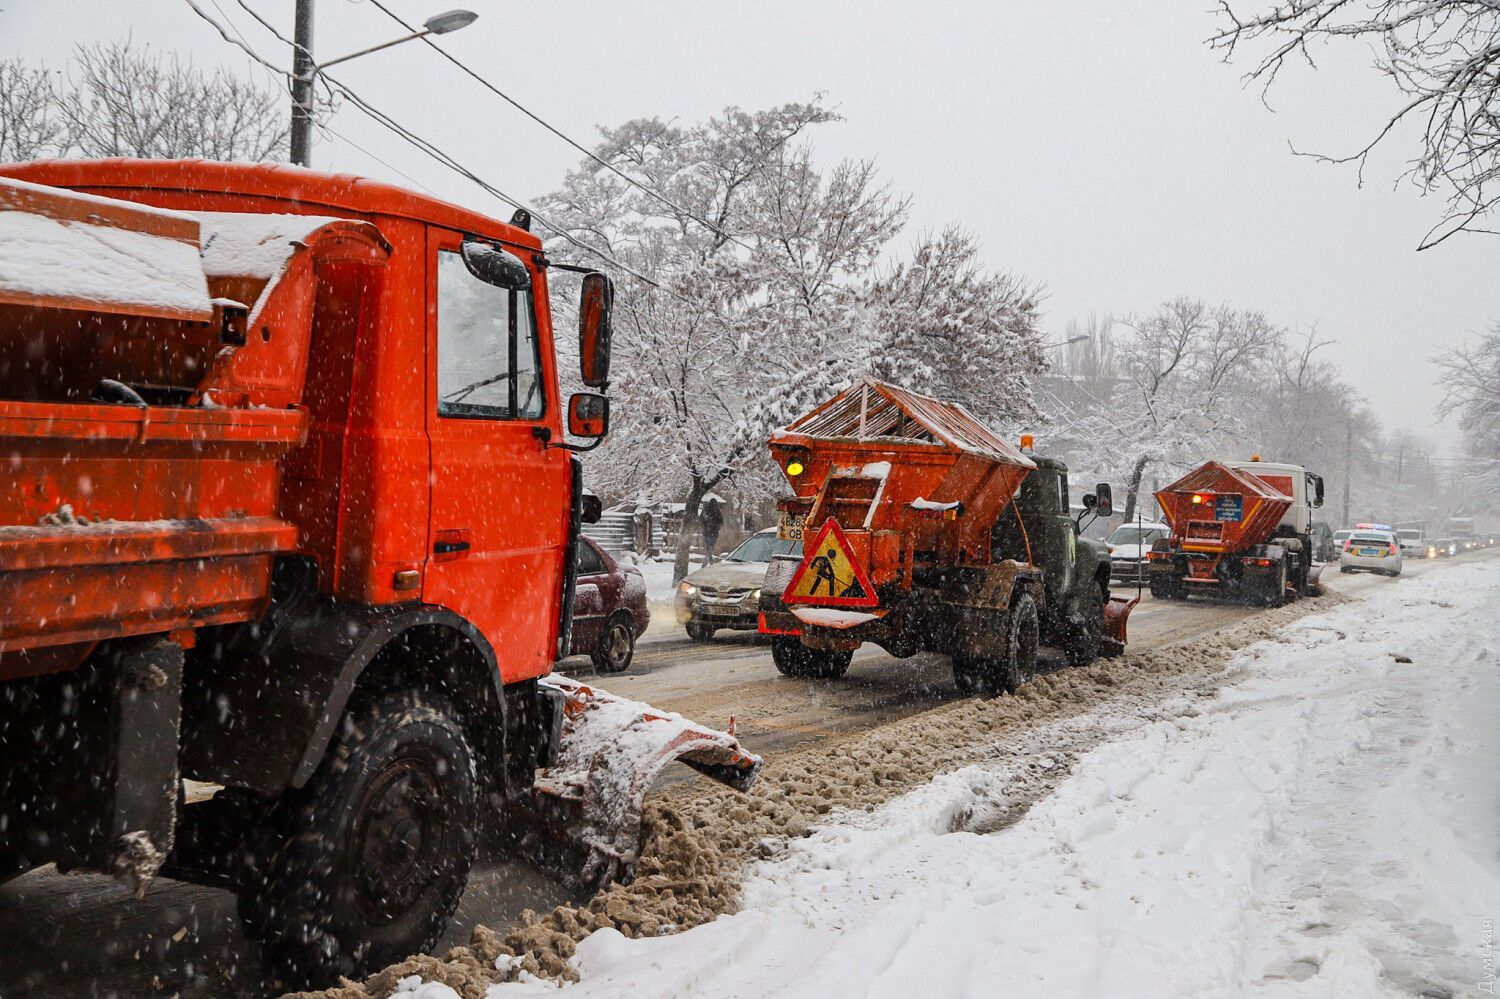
(721, 611)
(790, 528)
(1370, 552)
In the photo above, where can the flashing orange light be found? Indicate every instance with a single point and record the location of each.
(1255, 457)
(794, 468)
(1197, 498)
(1027, 442)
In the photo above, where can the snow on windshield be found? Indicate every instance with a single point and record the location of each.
(763, 547)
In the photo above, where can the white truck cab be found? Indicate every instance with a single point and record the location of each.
(1304, 487)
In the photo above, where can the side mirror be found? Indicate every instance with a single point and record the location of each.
(594, 331)
(1104, 502)
(495, 266)
(588, 415)
(593, 508)
(1317, 481)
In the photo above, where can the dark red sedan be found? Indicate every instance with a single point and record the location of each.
(609, 610)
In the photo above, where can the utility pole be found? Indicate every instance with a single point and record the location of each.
(302, 85)
(1349, 461)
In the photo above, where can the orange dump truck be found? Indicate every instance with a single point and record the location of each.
(923, 530)
(1239, 529)
(287, 508)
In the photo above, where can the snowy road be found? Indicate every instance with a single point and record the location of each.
(73, 935)
(1327, 825)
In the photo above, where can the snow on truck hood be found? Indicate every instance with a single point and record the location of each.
(722, 574)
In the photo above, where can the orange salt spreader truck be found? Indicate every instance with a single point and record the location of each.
(1240, 529)
(924, 530)
(286, 508)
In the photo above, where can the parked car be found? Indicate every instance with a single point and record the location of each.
(1128, 545)
(1339, 537)
(727, 593)
(609, 609)
(1371, 551)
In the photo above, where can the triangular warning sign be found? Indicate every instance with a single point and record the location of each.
(829, 575)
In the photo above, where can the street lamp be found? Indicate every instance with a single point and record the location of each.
(305, 71)
(1064, 343)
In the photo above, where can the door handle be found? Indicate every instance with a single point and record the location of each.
(449, 547)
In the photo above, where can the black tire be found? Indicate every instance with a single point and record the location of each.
(1275, 588)
(365, 866)
(1022, 638)
(616, 646)
(700, 632)
(1018, 664)
(1345, 568)
(1161, 589)
(1083, 641)
(792, 658)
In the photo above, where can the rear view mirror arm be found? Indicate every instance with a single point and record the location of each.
(544, 435)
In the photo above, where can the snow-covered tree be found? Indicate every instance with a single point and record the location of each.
(759, 291)
(117, 99)
(1471, 392)
(30, 126)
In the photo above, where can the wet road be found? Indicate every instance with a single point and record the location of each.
(82, 935)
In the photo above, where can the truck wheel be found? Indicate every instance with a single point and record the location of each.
(1275, 594)
(699, 632)
(987, 675)
(365, 866)
(1083, 640)
(617, 647)
(1022, 636)
(792, 658)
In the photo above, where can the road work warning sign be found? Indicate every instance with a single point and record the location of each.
(829, 575)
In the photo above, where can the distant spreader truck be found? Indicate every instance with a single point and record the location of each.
(924, 530)
(286, 507)
(1240, 529)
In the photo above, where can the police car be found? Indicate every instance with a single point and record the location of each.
(1371, 548)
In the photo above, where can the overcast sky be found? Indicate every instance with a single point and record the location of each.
(1098, 147)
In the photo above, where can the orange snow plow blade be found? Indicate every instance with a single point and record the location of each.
(611, 750)
(1116, 614)
(1315, 579)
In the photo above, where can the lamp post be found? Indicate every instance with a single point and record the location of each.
(305, 71)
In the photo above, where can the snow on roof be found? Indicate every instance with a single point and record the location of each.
(242, 244)
(68, 250)
(871, 409)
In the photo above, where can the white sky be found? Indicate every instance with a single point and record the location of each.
(1098, 147)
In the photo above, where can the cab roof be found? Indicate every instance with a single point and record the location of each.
(296, 189)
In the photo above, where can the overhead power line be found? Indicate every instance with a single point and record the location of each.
(426, 146)
(606, 164)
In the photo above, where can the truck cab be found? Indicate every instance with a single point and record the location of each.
(297, 499)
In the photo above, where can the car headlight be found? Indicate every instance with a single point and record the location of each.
(754, 596)
(687, 589)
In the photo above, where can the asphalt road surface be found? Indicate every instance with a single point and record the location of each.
(83, 935)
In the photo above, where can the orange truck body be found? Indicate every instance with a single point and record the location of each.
(361, 474)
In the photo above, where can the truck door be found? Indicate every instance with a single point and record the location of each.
(499, 499)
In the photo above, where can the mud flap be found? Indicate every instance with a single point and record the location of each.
(611, 751)
(1116, 615)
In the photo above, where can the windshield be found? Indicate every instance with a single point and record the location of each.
(1132, 534)
(761, 548)
(1409, 535)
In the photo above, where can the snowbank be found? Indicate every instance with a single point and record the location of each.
(1324, 826)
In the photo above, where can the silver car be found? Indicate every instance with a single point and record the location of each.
(726, 595)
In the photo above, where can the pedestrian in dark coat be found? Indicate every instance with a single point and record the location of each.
(711, 519)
